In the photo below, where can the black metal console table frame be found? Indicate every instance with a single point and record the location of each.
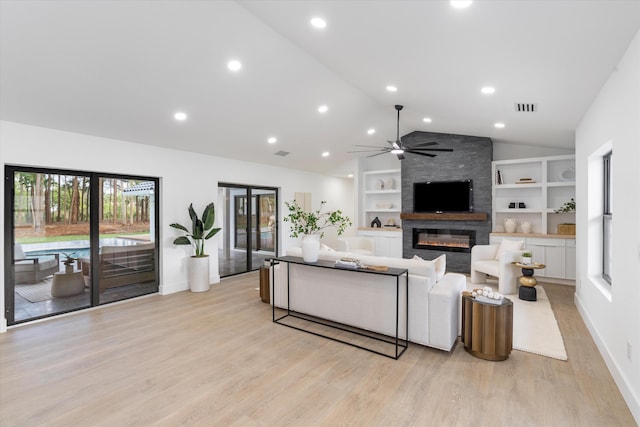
(400, 344)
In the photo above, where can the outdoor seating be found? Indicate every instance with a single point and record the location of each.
(33, 269)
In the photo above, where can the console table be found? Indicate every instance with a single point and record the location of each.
(394, 274)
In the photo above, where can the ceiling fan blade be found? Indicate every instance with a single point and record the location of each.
(400, 156)
(424, 144)
(377, 154)
(421, 154)
(430, 149)
(382, 150)
(370, 146)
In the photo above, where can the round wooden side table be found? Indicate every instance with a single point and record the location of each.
(487, 329)
(527, 290)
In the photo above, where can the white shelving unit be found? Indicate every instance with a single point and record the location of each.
(382, 197)
(553, 185)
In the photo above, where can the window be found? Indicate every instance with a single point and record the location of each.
(606, 218)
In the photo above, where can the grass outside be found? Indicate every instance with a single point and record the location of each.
(46, 239)
(67, 232)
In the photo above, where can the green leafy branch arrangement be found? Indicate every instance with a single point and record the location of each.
(314, 222)
(569, 206)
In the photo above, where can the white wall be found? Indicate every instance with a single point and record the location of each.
(612, 312)
(184, 178)
(506, 151)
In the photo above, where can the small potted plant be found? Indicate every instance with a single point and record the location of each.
(568, 207)
(310, 226)
(526, 257)
(201, 230)
(68, 262)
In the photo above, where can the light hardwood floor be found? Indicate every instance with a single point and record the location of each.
(216, 359)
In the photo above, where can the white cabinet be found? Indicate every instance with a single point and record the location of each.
(557, 254)
(530, 190)
(382, 197)
(388, 242)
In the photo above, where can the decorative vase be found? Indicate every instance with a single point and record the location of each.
(199, 274)
(310, 247)
(376, 223)
(509, 225)
(526, 227)
(389, 183)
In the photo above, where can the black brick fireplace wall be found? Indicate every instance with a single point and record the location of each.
(471, 159)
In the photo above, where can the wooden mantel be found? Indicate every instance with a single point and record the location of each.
(450, 216)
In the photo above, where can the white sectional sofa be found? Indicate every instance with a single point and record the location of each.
(367, 300)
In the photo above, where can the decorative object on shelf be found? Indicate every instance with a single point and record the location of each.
(499, 179)
(68, 262)
(391, 222)
(526, 227)
(510, 225)
(312, 224)
(569, 206)
(522, 205)
(525, 181)
(568, 174)
(569, 229)
(384, 205)
(201, 230)
(512, 205)
(380, 184)
(376, 223)
(389, 183)
(526, 257)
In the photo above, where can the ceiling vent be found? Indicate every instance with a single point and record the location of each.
(526, 108)
(282, 153)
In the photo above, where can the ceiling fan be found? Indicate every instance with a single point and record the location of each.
(399, 149)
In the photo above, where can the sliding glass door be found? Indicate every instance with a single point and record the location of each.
(75, 240)
(249, 234)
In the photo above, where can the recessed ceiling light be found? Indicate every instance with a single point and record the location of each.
(427, 120)
(488, 90)
(391, 88)
(499, 125)
(371, 131)
(461, 4)
(325, 154)
(318, 22)
(323, 109)
(180, 116)
(234, 65)
(350, 175)
(272, 140)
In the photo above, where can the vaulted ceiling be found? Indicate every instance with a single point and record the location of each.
(122, 69)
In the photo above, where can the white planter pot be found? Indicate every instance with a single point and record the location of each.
(199, 274)
(310, 247)
(526, 260)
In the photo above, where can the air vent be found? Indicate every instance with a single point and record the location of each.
(282, 153)
(526, 108)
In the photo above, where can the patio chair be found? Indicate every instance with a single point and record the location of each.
(33, 269)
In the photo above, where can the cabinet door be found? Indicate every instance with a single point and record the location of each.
(549, 252)
(570, 260)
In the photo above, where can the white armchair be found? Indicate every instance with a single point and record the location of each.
(357, 245)
(495, 260)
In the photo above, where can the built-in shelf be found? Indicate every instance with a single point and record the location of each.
(451, 216)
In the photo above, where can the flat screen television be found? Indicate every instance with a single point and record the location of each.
(443, 196)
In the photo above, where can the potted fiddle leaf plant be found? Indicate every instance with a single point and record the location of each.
(311, 226)
(201, 230)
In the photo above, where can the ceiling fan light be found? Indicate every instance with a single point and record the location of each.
(397, 150)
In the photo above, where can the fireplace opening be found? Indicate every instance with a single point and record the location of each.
(444, 239)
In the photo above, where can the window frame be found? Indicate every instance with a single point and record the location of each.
(607, 217)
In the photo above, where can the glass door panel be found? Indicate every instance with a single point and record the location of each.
(50, 234)
(126, 263)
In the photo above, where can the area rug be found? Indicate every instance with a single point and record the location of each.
(535, 329)
(35, 293)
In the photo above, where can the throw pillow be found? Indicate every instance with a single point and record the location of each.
(507, 245)
(441, 266)
(416, 257)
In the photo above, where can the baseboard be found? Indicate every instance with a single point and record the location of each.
(632, 400)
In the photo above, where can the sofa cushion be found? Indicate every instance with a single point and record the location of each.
(440, 264)
(507, 245)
